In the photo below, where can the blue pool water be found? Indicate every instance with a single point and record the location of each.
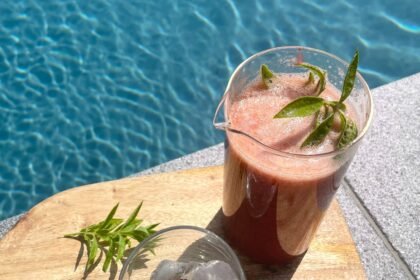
(96, 90)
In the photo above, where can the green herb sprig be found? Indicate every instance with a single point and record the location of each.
(112, 236)
(325, 110)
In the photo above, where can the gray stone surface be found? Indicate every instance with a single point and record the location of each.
(386, 171)
(377, 260)
(206, 157)
(380, 197)
(8, 224)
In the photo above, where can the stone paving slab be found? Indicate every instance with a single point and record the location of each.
(385, 173)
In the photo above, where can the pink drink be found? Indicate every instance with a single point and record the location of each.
(273, 204)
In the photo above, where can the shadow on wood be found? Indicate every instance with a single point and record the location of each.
(251, 269)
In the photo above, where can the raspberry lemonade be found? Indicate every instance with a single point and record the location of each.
(290, 136)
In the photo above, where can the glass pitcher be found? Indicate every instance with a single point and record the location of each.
(274, 201)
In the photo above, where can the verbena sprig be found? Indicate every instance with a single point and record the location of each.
(325, 110)
(112, 236)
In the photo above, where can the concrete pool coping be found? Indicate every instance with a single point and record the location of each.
(380, 195)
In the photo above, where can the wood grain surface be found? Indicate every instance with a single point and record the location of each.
(35, 249)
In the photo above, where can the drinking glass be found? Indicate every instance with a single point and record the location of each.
(184, 244)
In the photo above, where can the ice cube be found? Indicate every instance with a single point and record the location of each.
(213, 270)
(172, 270)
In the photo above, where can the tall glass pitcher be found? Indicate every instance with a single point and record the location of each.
(274, 201)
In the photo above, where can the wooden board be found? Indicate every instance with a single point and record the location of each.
(34, 249)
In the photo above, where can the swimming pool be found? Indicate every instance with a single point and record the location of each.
(97, 90)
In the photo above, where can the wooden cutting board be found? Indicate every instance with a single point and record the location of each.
(34, 249)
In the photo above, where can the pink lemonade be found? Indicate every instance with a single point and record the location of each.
(273, 204)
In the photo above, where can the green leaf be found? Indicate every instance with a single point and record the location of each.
(321, 75)
(92, 251)
(341, 106)
(301, 107)
(348, 131)
(88, 249)
(151, 227)
(145, 230)
(133, 215)
(343, 122)
(266, 75)
(110, 216)
(131, 226)
(113, 224)
(139, 235)
(311, 78)
(319, 133)
(122, 241)
(322, 114)
(87, 239)
(91, 228)
(109, 256)
(348, 83)
(320, 86)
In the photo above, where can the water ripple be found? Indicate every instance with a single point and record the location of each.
(400, 23)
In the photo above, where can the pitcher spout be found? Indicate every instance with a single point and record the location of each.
(219, 120)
